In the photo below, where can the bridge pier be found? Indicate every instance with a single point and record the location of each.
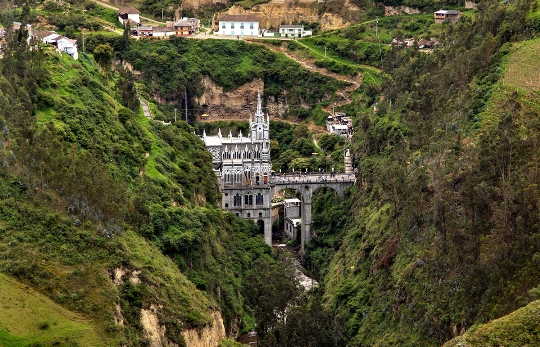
(268, 230)
(306, 216)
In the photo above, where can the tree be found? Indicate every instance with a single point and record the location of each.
(103, 55)
(271, 289)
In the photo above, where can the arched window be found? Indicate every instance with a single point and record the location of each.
(259, 199)
(237, 201)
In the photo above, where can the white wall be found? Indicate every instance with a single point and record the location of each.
(237, 30)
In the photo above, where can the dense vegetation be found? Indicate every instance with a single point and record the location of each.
(84, 177)
(443, 232)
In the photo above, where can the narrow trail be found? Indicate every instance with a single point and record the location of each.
(344, 94)
(107, 5)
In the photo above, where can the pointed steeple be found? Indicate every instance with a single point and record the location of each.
(204, 133)
(259, 115)
(219, 133)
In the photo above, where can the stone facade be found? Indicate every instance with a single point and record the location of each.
(243, 166)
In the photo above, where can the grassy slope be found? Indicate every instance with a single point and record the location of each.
(28, 317)
(68, 261)
(518, 329)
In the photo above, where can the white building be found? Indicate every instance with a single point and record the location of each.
(68, 46)
(292, 216)
(129, 13)
(238, 25)
(291, 31)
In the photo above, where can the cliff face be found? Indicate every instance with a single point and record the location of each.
(239, 103)
(333, 14)
(207, 337)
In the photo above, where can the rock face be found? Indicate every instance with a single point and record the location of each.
(332, 14)
(196, 4)
(155, 333)
(207, 337)
(239, 103)
(398, 10)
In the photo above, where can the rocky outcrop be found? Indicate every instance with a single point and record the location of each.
(207, 337)
(332, 14)
(399, 10)
(239, 103)
(196, 4)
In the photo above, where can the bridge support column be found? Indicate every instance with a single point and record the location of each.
(306, 219)
(268, 231)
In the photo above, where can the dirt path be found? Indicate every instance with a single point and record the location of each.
(344, 93)
(107, 5)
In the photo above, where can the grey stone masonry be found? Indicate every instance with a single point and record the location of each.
(243, 167)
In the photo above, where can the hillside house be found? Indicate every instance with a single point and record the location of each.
(238, 25)
(68, 46)
(163, 31)
(293, 31)
(406, 43)
(62, 43)
(186, 26)
(129, 13)
(145, 31)
(446, 16)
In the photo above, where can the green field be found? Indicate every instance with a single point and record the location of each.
(27, 317)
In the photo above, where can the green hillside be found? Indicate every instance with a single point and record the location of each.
(29, 317)
(518, 329)
(89, 187)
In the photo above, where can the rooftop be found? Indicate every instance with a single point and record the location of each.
(239, 18)
(447, 12)
(294, 26)
(128, 10)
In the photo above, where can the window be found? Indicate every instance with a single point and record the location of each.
(223, 26)
(237, 200)
(241, 25)
(232, 25)
(259, 199)
(232, 32)
(251, 25)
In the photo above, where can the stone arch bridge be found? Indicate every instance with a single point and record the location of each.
(254, 202)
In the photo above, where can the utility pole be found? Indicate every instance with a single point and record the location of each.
(324, 51)
(175, 115)
(185, 100)
(377, 33)
(83, 48)
(161, 14)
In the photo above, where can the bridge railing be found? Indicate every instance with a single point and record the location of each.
(294, 179)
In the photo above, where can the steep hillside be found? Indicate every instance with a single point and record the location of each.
(444, 227)
(109, 214)
(518, 329)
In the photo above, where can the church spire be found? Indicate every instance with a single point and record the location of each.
(259, 115)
